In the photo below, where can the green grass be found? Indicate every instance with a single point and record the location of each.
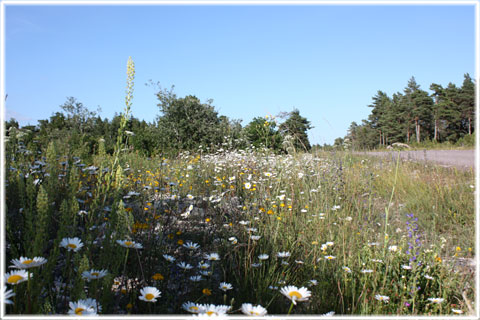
(296, 204)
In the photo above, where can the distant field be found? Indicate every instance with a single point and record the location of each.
(463, 159)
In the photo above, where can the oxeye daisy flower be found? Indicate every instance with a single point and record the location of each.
(26, 263)
(436, 300)
(212, 256)
(406, 267)
(184, 266)
(71, 244)
(283, 254)
(80, 309)
(168, 258)
(193, 307)
(191, 245)
(225, 286)
(295, 294)
(263, 256)
(457, 311)
(330, 257)
(94, 274)
(16, 277)
(213, 310)
(84, 307)
(250, 310)
(385, 299)
(247, 185)
(393, 248)
(313, 282)
(256, 265)
(255, 238)
(233, 240)
(347, 269)
(149, 294)
(129, 244)
(6, 295)
(196, 278)
(203, 266)
(366, 271)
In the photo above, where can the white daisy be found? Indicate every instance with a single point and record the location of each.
(149, 294)
(129, 244)
(193, 307)
(212, 256)
(184, 266)
(295, 294)
(225, 286)
(94, 274)
(168, 258)
(436, 300)
(283, 254)
(26, 263)
(191, 245)
(86, 307)
(385, 299)
(6, 295)
(71, 244)
(213, 310)
(250, 310)
(16, 277)
(263, 256)
(196, 278)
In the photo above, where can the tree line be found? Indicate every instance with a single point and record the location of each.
(183, 124)
(415, 116)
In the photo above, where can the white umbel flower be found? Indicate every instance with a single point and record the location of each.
(149, 294)
(296, 294)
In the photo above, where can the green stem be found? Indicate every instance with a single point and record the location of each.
(29, 304)
(291, 307)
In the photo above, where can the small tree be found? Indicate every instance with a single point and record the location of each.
(261, 133)
(296, 126)
(186, 123)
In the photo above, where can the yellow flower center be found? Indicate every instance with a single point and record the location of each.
(149, 296)
(71, 245)
(128, 243)
(295, 294)
(95, 274)
(194, 308)
(79, 311)
(27, 261)
(14, 279)
(210, 312)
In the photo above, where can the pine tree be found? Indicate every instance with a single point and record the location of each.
(297, 126)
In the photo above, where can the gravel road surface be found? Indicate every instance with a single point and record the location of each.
(462, 159)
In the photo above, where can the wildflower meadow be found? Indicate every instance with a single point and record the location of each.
(233, 232)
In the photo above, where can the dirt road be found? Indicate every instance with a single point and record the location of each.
(462, 159)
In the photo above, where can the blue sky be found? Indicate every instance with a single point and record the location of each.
(327, 61)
